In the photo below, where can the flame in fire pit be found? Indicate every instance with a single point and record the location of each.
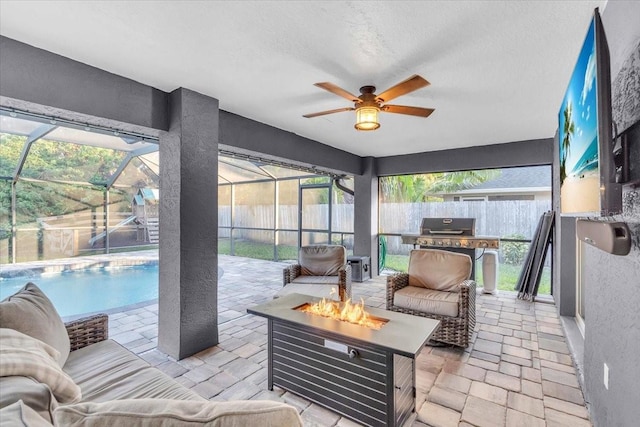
(347, 312)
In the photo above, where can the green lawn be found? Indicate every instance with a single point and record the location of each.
(257, 250)
(507, 274)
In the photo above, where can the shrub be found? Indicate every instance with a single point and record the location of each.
(514, 252)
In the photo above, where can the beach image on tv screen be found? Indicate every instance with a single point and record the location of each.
(578, 134)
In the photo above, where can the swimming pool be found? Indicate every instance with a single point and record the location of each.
(88, 291)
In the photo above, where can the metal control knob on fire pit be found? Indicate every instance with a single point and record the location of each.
(353, 353)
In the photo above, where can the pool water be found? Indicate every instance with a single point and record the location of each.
(88, 291)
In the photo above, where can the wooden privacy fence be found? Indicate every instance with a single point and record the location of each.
(494, 218)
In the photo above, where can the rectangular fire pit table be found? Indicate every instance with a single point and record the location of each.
(364, 374)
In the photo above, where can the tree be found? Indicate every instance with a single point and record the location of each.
(420, 187)
(567, 131)
(51, 160)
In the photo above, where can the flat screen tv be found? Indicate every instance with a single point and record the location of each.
(587, 172)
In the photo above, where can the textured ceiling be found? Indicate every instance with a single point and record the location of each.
(498, 69)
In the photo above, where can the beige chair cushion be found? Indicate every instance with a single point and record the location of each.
(21, 415)
(162, 412)
(314, 290)
(427, 300)
(322, 260)
(107, 371)
(30, 311)
(33, 394)
(438, 270)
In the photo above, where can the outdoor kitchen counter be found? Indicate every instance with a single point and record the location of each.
(402, 334)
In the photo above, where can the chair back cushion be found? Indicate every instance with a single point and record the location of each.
(322, 260)
(439, 270)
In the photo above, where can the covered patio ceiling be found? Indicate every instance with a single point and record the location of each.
(498, 69)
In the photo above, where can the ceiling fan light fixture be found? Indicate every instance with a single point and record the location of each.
(367, 118)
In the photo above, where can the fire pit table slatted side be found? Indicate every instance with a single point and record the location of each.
(357, 388)
(404, 387)
(364, 374)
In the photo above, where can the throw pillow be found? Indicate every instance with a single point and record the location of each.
(30, 311)
(167, 412)
(20, 415)
(22, 355)
(31, 392)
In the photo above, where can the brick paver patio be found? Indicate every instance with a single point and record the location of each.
(517, 372)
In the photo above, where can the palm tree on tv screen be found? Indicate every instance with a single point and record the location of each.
(568, 130)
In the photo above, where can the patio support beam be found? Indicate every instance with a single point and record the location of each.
(130, 155)
(38, 133)
(365, 239)
(14, 228)
(106, 218)
(188, 297)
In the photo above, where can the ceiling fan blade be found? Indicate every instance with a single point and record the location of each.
(338, 91)
(323, 113)
(411, 111)
(414, 82)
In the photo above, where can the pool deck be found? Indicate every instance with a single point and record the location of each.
(34, 268)
(517, 372)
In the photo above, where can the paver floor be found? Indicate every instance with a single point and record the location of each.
(516, 372)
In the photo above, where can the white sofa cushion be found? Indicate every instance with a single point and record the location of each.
(107, 371)
(164, 412)
(438, 270)
(322, 260)
(427, 300)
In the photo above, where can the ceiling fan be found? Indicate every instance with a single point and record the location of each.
(368, 104)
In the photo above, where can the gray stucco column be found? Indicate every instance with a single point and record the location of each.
(366, 213)
(188, 301)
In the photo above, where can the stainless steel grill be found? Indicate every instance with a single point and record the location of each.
(452, 234)
(448, 226)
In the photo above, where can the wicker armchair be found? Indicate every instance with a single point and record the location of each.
(89, 330)
(320, 268)
(432, 290)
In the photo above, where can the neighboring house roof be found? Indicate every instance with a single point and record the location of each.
(514, 180)
(533, 176)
